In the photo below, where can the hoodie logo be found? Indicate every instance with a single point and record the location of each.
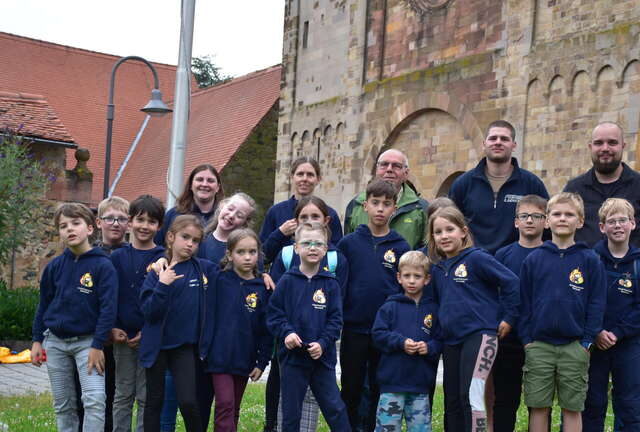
(252, 301)
(390, 256)
(86, 280)
(149, 268)
(576, 279)
(428, 321)
(626, 286)
(205, 281)
(319, 297)
(461, 271)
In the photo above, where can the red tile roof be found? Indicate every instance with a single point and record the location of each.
(31, 115)
(75, 83)
(222, 117)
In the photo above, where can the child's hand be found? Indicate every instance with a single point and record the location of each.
(96, 361)
(135, 341)
(423, 348)
(36, 354)
(315, 350)
(118, 335)
(268, 282)
(410, 346)
(255, 374)
(292, 341)
(159, 265)
(289, 227)
(605, 340)
(168, 275)
(503, 329)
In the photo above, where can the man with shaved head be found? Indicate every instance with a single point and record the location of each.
(410, 219)
(608, 178)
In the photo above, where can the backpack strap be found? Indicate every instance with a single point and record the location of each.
(332, 260)
(287, 256)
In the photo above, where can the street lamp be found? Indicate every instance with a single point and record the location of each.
(155, 108)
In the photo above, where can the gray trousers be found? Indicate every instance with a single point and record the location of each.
(130, 386)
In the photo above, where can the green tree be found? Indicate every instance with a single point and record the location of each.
(206, 73)
(22, 189)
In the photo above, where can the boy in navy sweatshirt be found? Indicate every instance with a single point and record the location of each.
(405, 330)
(78, 294)
(563, 291)
(616, 348)
(305, 316)
(507, 369)
(132, 264)
(372, 251)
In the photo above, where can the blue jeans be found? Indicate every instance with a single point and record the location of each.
(63, 356)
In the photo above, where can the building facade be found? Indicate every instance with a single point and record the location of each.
(428, 76)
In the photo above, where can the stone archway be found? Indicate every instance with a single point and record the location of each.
(436, 144)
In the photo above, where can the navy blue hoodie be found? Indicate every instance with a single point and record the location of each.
(373, 264)
(400, 318)
(563, 295)
(512, 256)
(491, 219)
(471, 289)
(235, 338)
(272, 238)
(342, 267)
(622, 315)
(132, 266)
(311, 308)
(78, 297)
(173, 313)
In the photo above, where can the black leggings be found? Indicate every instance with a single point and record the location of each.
(181, 362)
(466, 368)
(272, 396)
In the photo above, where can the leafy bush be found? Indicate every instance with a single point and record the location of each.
(17, 309)
(22, 188)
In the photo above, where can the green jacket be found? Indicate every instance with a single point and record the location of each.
(410, 220)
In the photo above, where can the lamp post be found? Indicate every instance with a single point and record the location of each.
(155, 108)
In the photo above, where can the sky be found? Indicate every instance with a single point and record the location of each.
(241, 35)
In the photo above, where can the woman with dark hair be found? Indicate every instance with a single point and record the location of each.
(280, 224)
(200, 197)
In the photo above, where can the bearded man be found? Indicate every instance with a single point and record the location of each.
(608, 178)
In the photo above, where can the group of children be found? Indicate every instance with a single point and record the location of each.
(200, 308)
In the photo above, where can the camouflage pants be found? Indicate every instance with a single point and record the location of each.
(414, 407)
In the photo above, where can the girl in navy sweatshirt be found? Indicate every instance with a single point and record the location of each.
(173, 308)
(235, 344)
(470, 288)
(78, 296)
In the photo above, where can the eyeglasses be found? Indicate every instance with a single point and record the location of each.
(310, 244)
(394, 165)
(619, 221)
(536, 217)
(110, 220)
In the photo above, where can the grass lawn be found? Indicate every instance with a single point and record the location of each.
(35, 413)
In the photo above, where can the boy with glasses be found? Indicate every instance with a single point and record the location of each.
(507, 369)
(617, 345)
(113, 222)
